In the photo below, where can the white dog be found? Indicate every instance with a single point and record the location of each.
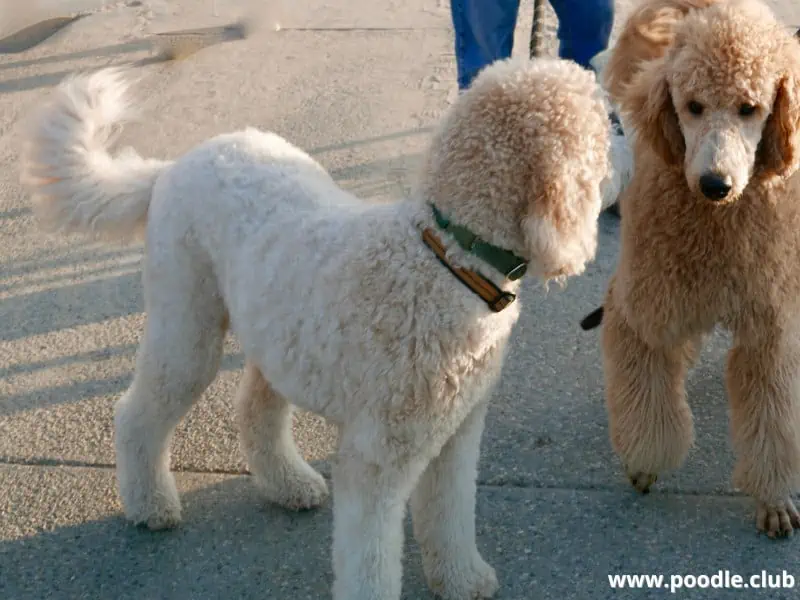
(391, 320)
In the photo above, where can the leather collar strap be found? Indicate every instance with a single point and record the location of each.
(494, 297)
(505, 261)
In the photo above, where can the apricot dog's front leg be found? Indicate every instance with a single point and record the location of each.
(763, 390)
(650, 421)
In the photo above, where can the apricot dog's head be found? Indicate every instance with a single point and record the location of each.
(724, 101)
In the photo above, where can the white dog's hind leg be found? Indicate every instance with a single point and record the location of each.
(443, 511)
(178, 358)
(265, 430)
(369, 501)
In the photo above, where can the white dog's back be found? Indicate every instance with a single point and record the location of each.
(315, 271)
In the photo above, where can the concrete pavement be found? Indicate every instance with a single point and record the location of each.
(358, 84)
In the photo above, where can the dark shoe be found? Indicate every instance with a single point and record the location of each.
(614, 210)
(616, 123)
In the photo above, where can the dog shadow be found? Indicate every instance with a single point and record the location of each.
(226, 548)
(49, 293)
(58, 307)
(232, 545)
(378, 180)
(90, 59)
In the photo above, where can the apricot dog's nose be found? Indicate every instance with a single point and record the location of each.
(715, 187)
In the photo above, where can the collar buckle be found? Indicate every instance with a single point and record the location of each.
(501, 301)
(517, 272)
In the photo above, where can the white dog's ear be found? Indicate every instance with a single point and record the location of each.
(560, 234)
(652, 114)
(778, 152)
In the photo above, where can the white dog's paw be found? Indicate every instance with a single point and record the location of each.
(472, 581)
(152, 504)
(296, 487)
(157, 515)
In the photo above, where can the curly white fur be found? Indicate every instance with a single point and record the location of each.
(339, 306)
(621, 157)
(80, 186)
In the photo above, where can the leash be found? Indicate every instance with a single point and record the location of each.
(592, 320)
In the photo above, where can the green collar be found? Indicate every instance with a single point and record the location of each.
(505, 261)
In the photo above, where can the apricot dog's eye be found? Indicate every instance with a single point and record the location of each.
(745, 110)
(695, 108)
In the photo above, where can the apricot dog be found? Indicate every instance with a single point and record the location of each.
(710, 237)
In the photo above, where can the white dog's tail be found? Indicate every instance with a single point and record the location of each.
(76, 185)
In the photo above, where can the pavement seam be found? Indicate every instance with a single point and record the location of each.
(80, 464)
(485, 484)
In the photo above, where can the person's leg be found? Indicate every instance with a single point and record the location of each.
(584, 28)
(484, 33)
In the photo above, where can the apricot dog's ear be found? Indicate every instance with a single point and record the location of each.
(648, 104)
(646, 35)
(778, 151)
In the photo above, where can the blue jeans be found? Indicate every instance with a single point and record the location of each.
(484, 31)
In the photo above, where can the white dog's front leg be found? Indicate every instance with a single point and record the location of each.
(369, 502)
(443, 510)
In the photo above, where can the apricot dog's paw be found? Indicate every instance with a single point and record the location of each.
(777, 520)
(642, 481)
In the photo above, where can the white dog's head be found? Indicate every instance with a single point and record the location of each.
(520, 159)
(724, 102)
